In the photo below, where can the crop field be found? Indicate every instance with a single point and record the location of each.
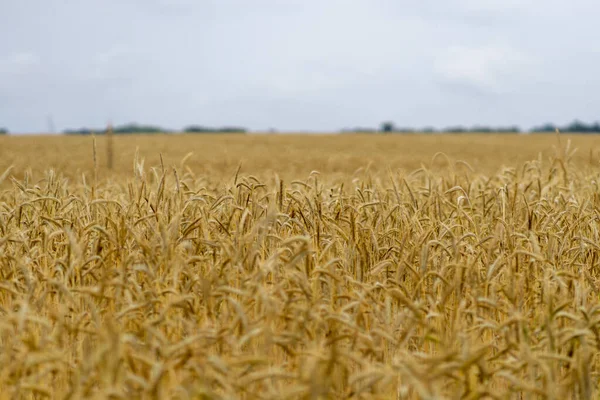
(300, 267)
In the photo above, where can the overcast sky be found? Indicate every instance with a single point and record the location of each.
(316, 65)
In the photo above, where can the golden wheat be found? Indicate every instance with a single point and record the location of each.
(224, 282)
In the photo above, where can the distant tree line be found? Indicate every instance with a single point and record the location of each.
(204, 129)
(136, 129)
(483, 129)
(386, 127)
(575, 126)
(123, 129)
(389, 127)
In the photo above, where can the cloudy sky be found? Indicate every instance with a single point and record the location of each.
(315, 65)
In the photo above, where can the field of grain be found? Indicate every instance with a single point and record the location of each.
(300, 267)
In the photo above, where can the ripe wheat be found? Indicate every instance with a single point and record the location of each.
(426, 284)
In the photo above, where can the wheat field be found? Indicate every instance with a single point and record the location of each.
(300, 267)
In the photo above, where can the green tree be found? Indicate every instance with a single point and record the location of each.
(548, 127)
(387, 127)
(122, 129)
(456, 129)
(135, 128)
(205, 129)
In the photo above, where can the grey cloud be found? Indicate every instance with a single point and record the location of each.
(490, 69)
(297, 64)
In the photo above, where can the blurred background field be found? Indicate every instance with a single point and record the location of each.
(290, 156)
